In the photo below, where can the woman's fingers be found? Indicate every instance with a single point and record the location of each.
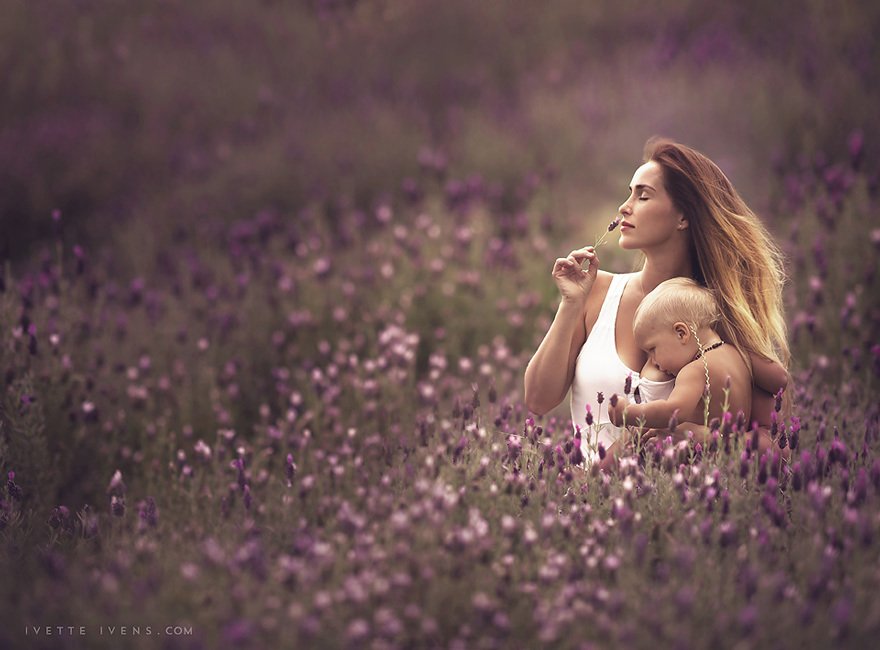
(578, 265)
(581, 254)
(563, 265)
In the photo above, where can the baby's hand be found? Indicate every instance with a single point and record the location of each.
(616, 409)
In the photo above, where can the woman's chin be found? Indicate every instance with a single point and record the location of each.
(626, 244)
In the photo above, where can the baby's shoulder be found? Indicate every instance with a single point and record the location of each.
(693, 370)
(726, 355)
(727, 361)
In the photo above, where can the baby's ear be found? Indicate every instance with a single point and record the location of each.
(682, 331)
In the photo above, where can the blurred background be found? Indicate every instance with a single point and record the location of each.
(271, 266)
(132, 121)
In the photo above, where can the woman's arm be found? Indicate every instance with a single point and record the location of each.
(767, 374)
(551, 370)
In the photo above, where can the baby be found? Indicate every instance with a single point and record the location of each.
(675, 324)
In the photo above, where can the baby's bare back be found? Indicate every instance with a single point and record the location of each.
(723, 363)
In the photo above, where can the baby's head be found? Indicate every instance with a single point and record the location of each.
(668, 320)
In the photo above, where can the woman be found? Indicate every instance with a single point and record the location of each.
(687, 219)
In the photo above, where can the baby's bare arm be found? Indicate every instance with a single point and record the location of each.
(684, 398)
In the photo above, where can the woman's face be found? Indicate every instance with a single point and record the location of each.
(649, 216)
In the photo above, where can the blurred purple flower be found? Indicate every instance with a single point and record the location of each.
(148, 513)
(12, 489)
(117, 485)
(290, 470)
(856, 146)
(60, 518)
(117, 505)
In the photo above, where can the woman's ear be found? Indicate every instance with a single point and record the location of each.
(682, 331)
(682, 222)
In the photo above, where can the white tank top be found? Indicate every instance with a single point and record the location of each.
(599, 369)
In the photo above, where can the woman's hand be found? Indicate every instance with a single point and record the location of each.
(574, 281)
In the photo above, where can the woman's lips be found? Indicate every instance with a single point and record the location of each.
(626, 224)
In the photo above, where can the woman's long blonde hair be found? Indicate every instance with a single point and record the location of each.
(734, 253)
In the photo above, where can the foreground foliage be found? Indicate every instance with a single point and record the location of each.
(311, 429)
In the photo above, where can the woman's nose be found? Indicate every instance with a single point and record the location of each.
(624, 208)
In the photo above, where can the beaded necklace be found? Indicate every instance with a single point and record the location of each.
(703, 351)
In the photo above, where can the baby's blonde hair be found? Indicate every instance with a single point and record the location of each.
(677, 299)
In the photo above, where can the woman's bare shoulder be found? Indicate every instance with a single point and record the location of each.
(596, 298)
(603, 280)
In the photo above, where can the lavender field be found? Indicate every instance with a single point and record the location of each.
(272, 276)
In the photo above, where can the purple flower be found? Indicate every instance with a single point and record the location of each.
(117, 505)
(794, 433)
(117, 485)
(744, 464)
(754, 440)
(838, 452)
(238, 631)
(762, 468)
(728, 534)
(856, 145)
(842, 614)
(748, 618)
(627, 384)
(860, 487)
(797, 476)
(514, 447)
(12, 489)
(290, 470)
(238, 464)
(611, 226)
(577, 456)
(60, 517)
(148, 514)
